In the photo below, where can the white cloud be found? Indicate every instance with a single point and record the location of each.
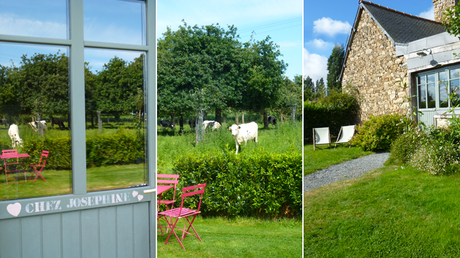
(314, 65)
(34, 28)
(429, 14)
(289, 44)
(319, 44)
(331, 27)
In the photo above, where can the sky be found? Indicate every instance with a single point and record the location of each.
(327, 23)
(279, 19)
(119, 22)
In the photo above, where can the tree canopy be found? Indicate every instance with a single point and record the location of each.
(334, 67)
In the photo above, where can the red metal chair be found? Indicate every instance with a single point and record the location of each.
(37, 169)
(167, 180)
(183, 212)
(12, 151)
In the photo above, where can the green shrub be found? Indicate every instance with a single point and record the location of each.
(436, 157)
(266, 185)
(333, 111)
(379, 132)
(405, 146)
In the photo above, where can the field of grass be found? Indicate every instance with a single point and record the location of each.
(286, 137)
(239, 237)
(389, 212)
(325, 156)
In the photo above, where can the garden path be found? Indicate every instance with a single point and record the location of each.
(346, 170)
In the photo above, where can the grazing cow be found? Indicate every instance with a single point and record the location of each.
(166, 123)
(34, 125)
(192, 122)
(13, 132)
(59, 122)
(211, 124)
(243, 133)
(271, 120)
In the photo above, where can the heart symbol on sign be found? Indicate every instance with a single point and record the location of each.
(14, 209)
(135, 193)
(140, 197)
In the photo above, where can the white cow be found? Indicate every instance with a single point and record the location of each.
(243, 133)
(13, 132)
(212, 124)
(34, 125)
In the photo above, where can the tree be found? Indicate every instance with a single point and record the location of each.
(202, 61)
(264, 76)
(334, 67)
(320, 88)
(290, 93)
(309, 90)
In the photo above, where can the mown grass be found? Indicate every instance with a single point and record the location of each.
(325, 156)
(239, 237)
(390, 212)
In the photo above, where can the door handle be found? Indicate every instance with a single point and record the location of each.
(150, 191)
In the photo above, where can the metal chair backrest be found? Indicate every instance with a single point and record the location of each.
(44, 154)
(12, 151)
(189, 191)
(166, 179)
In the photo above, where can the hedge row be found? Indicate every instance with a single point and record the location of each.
(119, 148)
(264, 185)
(333, 111)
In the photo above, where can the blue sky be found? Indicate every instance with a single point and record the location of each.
(280, 19)
(327, 23)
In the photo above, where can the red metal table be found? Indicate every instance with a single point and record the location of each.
(14, 156)
(160, 190)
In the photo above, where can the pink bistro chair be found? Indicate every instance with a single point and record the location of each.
(183, 212)
(12, 151)
(165, 179)
(37, 169)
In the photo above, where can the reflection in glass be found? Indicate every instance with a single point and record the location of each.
(443, 94)
(454, 73)
(34, 94)
(422, 96)
(455, 88)
(34, 18)
(115, 21)
(115, 132)
(431, 95)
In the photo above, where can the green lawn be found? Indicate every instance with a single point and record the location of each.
(239, 237)
(325, 156)
(390, 212)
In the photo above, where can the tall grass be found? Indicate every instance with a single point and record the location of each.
(286, 137)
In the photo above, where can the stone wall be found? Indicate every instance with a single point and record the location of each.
(440, 6)
(373, 68)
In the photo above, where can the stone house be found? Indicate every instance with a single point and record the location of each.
(396, 60)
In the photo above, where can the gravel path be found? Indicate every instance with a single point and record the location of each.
(347, 170)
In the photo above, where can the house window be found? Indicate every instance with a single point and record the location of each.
(435, 87)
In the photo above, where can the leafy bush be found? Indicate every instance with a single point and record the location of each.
(333, 111)
(258, 184)
(379, 132)
(405, 146)
(436, 157)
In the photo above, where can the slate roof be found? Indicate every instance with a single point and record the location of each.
(402, 27)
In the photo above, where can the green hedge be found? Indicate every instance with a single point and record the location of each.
(333, 111)
(265, 185)
(119, 148)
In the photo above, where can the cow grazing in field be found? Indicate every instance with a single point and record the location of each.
(244, 133)
(13, 132)
(211, 125)
(34, 125)
(59, 122)
(271, 120)
(166, 123)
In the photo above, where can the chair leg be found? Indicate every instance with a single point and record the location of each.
(172, 231)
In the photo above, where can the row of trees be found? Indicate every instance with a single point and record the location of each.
(316, 90)
(209, 68)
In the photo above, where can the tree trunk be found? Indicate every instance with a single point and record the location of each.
(173, 119)
(242, 117)
(181, 123)
(219, 115)
(236, 118)
(265, 119)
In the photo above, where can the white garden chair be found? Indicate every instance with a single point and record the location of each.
(345, 134)
(321, 136)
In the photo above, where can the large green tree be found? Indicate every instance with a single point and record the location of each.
(309, 89)
(334, 67)
(264, 76)
(198, 67)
